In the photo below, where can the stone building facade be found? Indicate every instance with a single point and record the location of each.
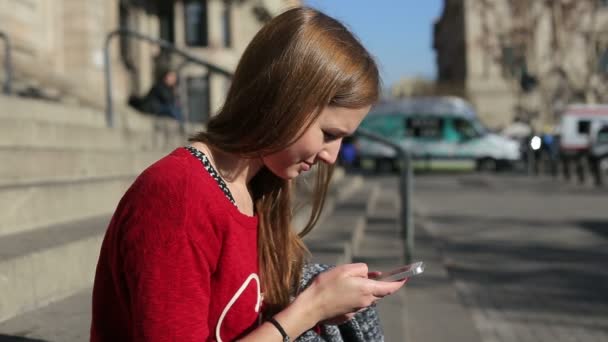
(411, 87)
(523, 59)
(57, 46)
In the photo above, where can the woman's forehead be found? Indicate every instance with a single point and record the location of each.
(345, 119)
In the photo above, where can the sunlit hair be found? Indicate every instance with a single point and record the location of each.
(298, 63)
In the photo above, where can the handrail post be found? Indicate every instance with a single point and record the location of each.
(8, 67)
(408, 225)
(405, 189)
(406, 185)
(108, 76)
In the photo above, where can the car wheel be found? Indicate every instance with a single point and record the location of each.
(486, 165)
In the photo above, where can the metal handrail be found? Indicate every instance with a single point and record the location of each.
(160, 42)
(8, 66)
(406, 183)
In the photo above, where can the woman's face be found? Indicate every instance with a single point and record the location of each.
(319, 143)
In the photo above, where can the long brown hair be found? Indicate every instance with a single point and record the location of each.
(297, 64)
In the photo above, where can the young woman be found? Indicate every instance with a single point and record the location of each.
(200, 247)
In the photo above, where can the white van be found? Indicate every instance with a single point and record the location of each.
(441, 131)
(580, 123)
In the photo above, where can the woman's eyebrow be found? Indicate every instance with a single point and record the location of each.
(339, 132)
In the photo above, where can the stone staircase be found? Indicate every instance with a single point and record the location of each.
(363, 226)
(382, 249)
(62, 172)
(337, 237)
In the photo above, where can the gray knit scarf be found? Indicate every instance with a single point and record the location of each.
(364, 327)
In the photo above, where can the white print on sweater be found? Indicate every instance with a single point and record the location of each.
(236, 296)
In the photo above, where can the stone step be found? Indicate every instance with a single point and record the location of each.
(39, 110)
(29, 207)
(336, 239)
(19, 133)
(42, 266)
(28, 109)
(48, 165)
(358, 200)
(339, 227)
(331, 253)
(67, 320)
(339, 236)
(382, 250)
(341, 186)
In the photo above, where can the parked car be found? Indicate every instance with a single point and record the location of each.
(442, 129)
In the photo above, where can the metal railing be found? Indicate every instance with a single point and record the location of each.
(160, 42)
(406, 183)
(8, 66)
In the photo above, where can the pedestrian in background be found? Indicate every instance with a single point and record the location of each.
(201, 246)
(161, 99)
(348, 153)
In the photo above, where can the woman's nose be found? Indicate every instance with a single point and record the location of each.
(329, 155)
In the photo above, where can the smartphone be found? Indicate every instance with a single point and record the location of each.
(402, 272)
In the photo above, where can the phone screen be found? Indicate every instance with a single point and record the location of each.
(403, 272)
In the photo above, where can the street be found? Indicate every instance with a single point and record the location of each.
(526, 255)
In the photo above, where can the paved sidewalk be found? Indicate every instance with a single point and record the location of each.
(429, 309)
(528, 256)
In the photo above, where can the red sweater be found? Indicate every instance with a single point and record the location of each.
(178, 261)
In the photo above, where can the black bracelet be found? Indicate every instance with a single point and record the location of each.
(279, 328)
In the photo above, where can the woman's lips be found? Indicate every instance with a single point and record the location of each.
(305, 167)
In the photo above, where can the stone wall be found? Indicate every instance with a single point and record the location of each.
(58, 45)
(556, 43)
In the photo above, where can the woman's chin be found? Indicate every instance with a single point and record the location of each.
(288, 173)
(293, 172)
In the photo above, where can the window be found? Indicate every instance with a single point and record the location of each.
(465, 129)
(602, 135)
(603, 62)
(126, 20)
(227, 23)
(198, 98)
(166, 29)
(424, 127)
(196, 23)
(584, 127)
(385, 125)
(165, 21)
(513, 60)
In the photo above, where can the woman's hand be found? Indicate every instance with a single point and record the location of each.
(341, 319)
(337, 294)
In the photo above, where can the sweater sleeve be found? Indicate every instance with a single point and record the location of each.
(169, 288)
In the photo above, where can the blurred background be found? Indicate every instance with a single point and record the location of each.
(493, 150)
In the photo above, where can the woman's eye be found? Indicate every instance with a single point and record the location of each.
(329, 137)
